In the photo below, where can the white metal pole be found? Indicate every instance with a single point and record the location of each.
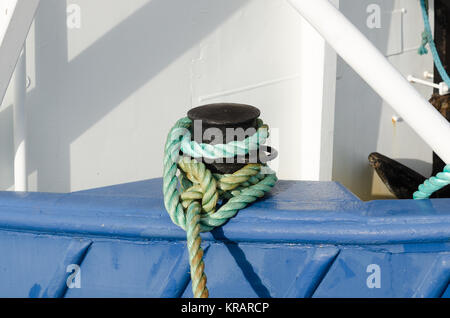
(13, 31)
(20, 166)
(376, 70)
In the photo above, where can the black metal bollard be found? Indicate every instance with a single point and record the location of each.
(226, 118)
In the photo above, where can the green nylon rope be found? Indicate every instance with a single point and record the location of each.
(194, 209)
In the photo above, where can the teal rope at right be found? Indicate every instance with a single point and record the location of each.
(427, 37)
(442, 179)
(433, 184)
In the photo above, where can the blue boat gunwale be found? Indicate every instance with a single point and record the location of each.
(304, 217)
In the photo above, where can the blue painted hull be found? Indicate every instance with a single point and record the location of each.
(306, 239)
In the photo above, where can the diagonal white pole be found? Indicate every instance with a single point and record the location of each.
(376, 70)
(13, 32)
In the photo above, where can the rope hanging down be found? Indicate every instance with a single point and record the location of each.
(442, 179)
(427, 38)
(194, 209)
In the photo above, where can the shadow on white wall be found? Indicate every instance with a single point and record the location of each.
(68, 98)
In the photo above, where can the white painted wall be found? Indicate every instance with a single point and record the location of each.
(105, 91)
(363, 122)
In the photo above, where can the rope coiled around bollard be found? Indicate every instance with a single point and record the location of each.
(229, 150)
(194, 209)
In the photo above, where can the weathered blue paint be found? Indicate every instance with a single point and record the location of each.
(29, 262)
(402, 274)
(131, 269)
(75, 254)
(306, 239)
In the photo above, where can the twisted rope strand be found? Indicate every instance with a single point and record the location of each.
(198, 174)
(427, 37)
(229, 150)
(194, 241)
(433, 184)
(170, 181)
(236, 203)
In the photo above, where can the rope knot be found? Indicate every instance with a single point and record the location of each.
(209, 200)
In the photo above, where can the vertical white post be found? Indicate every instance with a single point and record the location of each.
(317, 99)
(20, 83)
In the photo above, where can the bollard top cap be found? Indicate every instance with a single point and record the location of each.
(224, 114)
